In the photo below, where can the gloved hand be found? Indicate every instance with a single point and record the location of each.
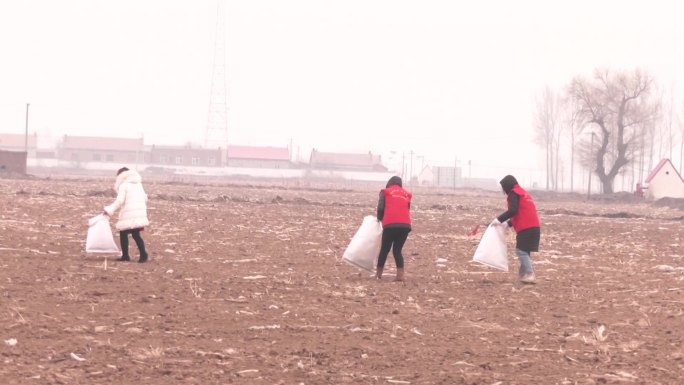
(495, 222)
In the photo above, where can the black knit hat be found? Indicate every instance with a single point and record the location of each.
(395, 180)
(507, 183)
(122, 169)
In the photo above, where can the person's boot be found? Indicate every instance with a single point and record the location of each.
(378, 273)
(124, 258)
(528, 278)
(143, 252)
(400, 275)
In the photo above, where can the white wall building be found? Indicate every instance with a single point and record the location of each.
(664, 181)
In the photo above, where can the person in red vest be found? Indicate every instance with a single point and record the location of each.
(393, 211)
(522, 216)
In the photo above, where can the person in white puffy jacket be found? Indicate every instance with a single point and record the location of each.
(132, 200)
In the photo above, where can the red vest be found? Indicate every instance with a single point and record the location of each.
(527, 211)
(396, 206)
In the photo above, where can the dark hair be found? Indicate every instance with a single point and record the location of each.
(507, 183)
(122, 169)
(395, 180)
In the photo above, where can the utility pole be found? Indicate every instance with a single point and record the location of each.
(411, 170)
(26, 130)
(455, 167)
(403, 157)
(592, 153)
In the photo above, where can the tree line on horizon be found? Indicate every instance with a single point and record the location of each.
(610, 123)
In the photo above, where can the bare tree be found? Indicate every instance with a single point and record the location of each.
(572, 125)
(642, 144)
(556, 143)
(669, 116)
(668, 125)
(649, 143)
(680, 121)
(615, 103)
(546, 127)
(660, 130)
(654, 134)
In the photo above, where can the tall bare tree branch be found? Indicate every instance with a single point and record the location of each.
(615, 104)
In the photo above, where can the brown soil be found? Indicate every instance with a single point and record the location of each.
(246, 286)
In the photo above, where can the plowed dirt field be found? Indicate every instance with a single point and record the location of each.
(245, 285)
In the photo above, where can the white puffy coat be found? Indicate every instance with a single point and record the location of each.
(132, 200)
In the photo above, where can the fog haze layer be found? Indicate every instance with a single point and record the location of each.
(450, 81)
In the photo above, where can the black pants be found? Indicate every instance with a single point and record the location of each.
(393, 238)
(123, 239)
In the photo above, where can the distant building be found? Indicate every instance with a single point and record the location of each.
(83, 149)
(664, 181)
(446, 177)
(450, 177)
(18, 142)
(185, 156)
(482, 183)
(426, 176)
(12, 162)
(259, 157)
(347, 162)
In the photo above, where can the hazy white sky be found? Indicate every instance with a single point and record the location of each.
(445, 78)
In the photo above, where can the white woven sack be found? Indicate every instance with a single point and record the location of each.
(364, 247)
(100, 238)
(492, 248)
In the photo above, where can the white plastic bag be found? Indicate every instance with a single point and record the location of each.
(100, 238)
(492, 248)
(364, 247)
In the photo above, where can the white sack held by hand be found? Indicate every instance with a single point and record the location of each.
(492, 248)
(100, 238)
(365, 245)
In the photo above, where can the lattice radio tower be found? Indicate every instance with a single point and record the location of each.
(217, 120)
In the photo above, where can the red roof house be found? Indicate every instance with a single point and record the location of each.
(101, 149)
(258, 157)
(348, 162)
(17, 142)
(665, 181)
